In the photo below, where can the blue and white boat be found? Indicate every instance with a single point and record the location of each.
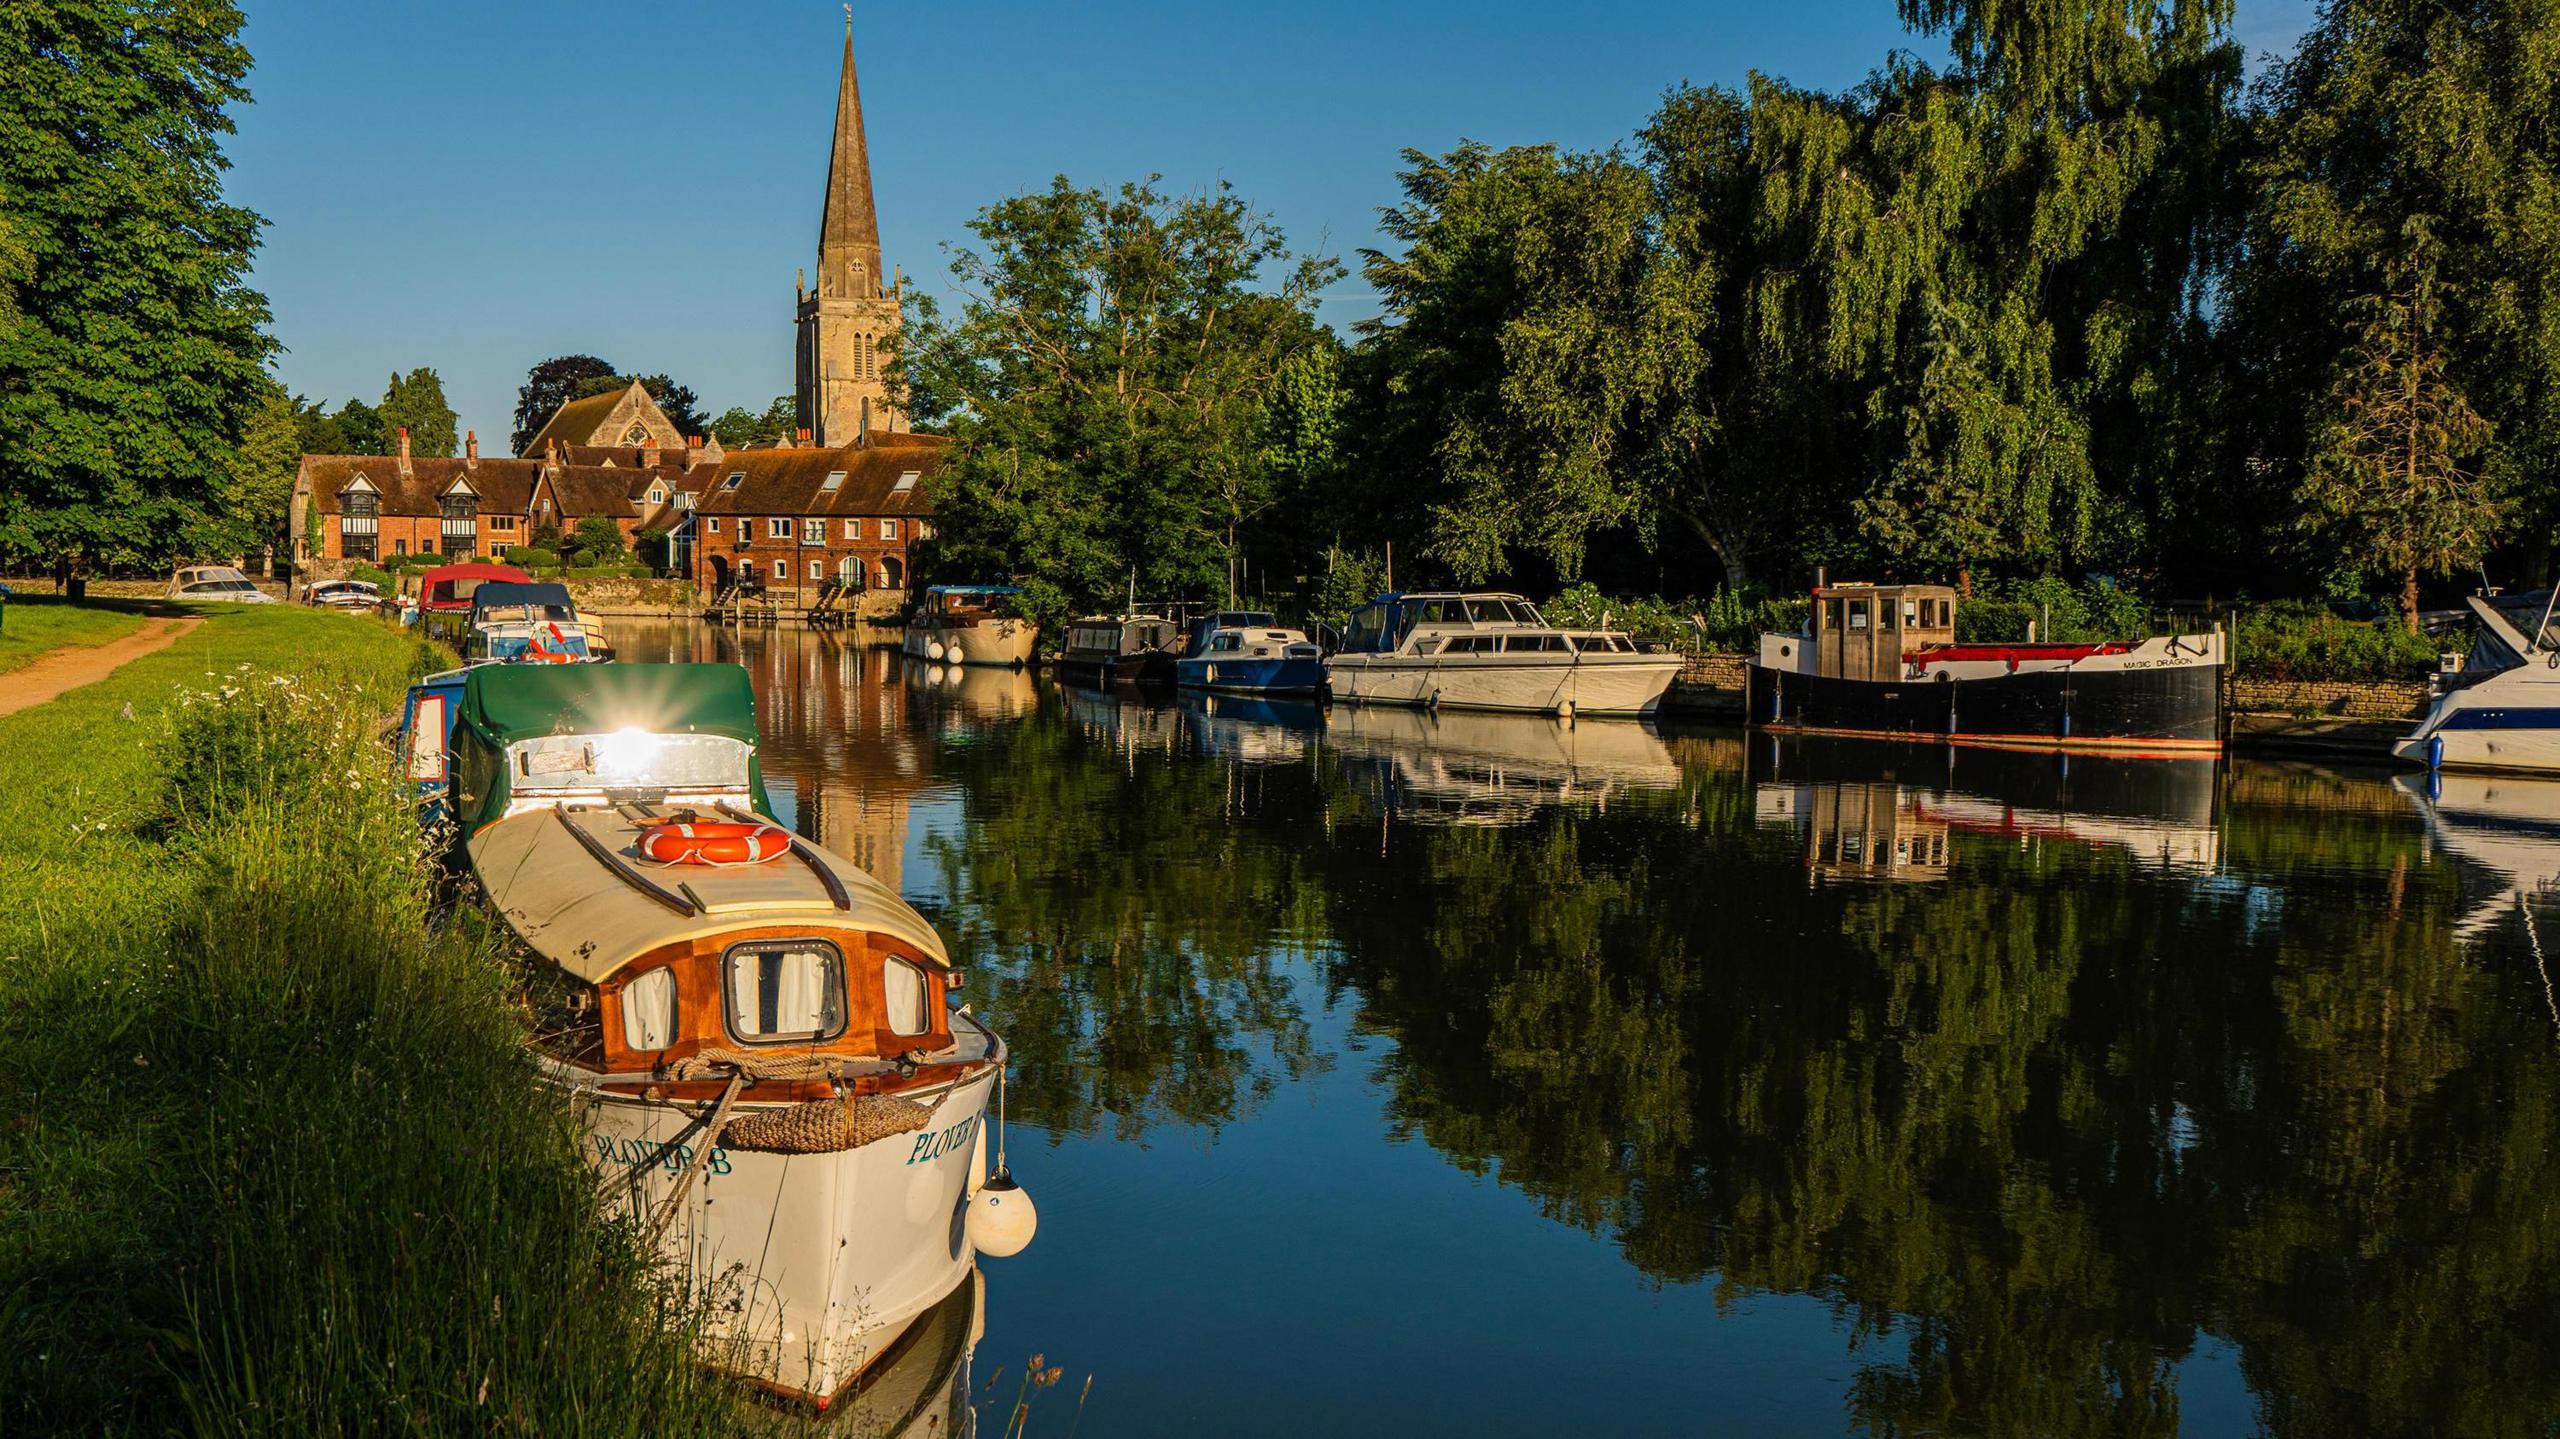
(2501, 709)
(1249, 652)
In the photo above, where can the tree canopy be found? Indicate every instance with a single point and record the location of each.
(546, 388)
(415, 402)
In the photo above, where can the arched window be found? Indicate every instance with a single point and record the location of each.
(893, 573)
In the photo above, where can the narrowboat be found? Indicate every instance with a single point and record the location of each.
(1248, 652)
(444, 597)
(1491, 651)
(2498, 708)
(1130, 648)
(528, 623)
(1882, 661)
(970, 625)
(756, 1038)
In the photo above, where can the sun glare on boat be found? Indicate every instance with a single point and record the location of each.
(627, 753)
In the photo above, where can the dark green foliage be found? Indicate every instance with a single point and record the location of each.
(1125, 394)
(355, 429)
(528, 557)
(736, 426)
(598, 541)
(415, 402)
(2302, 640)
(546, 388)
(131, 347)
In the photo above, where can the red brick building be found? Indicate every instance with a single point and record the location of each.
(801, 517)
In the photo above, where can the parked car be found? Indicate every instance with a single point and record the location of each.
(215, 582)
(343, 594)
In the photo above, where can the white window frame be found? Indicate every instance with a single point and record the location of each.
(777, 528)
(813, 532)
(832, 483)
(853, 529)
(888, 529)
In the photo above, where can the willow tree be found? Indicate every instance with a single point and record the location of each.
(2390, 470)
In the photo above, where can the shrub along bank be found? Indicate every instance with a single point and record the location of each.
(275, 1160)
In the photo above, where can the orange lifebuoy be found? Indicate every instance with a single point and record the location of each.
(713, 843)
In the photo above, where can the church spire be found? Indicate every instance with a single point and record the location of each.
(849, 228)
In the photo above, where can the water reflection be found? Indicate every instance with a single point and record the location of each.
(2177, 1098)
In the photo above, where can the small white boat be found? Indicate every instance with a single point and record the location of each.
(967, 625)
(2501, 709)
(1491, 651)
(216, 582)
(752, 1033)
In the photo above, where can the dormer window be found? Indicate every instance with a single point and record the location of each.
(908, 480)
(657, 494)
(360, 504)
(833, 481)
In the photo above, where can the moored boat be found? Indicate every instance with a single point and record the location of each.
(2501, 709)
(533, 623)
(1882, 661)
(970, 625)
(1491, 651)
(754, 1035)
(1131, 648)
(444, 597)
(1249, 652)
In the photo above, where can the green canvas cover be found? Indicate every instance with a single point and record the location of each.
(502, 704)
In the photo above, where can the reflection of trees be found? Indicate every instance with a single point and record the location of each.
(2031, 1129)
(1130, 944)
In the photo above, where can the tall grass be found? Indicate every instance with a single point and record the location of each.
(277, 1162)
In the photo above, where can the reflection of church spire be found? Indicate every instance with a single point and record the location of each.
(849, 229)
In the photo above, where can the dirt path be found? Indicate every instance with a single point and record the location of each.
(72, 666)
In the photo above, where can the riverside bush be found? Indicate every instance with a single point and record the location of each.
(282, 1165)
(2302, 640)
(1727, 621)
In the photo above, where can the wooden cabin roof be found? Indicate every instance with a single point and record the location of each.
(565, 903)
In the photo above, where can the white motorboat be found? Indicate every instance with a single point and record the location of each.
(968, 625)
(2501, 709)
(1494, 769)
(1491, 651)
(753, 1033)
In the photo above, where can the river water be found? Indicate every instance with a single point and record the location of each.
(1383, 1074)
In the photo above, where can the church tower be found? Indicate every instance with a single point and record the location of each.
(839, 378)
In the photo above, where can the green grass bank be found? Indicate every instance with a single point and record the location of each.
(36, 625)
(274, 1161)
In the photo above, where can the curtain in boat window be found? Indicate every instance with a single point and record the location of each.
(906, 992)
(778, 994)
(649, 1010)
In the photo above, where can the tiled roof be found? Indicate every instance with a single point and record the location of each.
(583, 490)
(505, 486)
(575, 422)
(793, 482)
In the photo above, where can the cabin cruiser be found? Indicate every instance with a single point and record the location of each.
(216, 582)
(1130, 648)
(1247, 652)
(343, 594)
(1491, 651)
(970, 625)
(1882, 661)
(1472, 768)
(444, 597)
(2501, 709)
(754, 1036)
(533, 623)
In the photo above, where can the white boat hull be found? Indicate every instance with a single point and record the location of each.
(807, 1266)
(2510, 721)
(1601, 684)
(995, 642)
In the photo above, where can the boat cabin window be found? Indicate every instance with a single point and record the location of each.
(1226, 643)
(1910, 614)
(1537, 644)
(908, 998)
(649, 1010)
(426, 739)
(1367, 624)
(788, 992)
(1857, 614)
(1488, 612)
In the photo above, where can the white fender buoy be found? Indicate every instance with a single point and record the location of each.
(933, 649)
(1002, 1218)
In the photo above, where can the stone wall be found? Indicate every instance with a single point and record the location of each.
(1710, 685)
(2350, 699)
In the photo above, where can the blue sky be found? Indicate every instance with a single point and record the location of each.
(477, 186)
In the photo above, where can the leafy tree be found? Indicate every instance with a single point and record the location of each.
(546, 388)
(131, 358)
(258, 498)
(415, 401)
(1109, 384)
(736, 426)
(598, 540)
(2388, 472)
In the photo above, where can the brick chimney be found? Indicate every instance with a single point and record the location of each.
(471, 449)
(404, 451)
(649, 454)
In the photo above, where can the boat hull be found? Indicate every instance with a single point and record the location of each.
(1582, 684)
(808, 1267)
(2510, 722)
(996, 642)
(1251, 676)
(2174, 708)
